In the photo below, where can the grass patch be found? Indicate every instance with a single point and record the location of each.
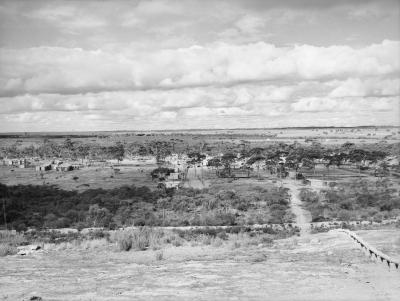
(137, 239)
(7, 249)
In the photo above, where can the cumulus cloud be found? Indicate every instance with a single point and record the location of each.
(256, 104)
(170, 63)
(314, 104)
(55, 69)
(365, 88)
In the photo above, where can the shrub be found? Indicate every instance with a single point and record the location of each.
(267, 240)
(159, 255)
(177, 243)
(98, 233)
(236, 245)
(258, 258)
(14, 239)
(234, 229)
(138, 239)
(7, 249)
(217, 242)
(124, 242)
(222, 235)
(206, 240)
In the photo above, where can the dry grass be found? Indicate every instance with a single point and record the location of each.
(88, 178)
(15, 239)
(159, 255)
(9, 242)
(137, 239)
(91, 244)
(6, 249)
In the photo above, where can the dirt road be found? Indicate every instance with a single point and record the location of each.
(303, 217)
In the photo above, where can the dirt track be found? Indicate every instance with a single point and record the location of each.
(303, 217)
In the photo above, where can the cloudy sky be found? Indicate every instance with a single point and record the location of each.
(173, 64)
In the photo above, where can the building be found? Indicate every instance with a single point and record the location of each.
(64, 167)
(43, 167)
(20, 163)
(174, 176)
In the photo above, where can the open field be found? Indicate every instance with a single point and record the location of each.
(258, 137)
(87, 178)
(326, 266)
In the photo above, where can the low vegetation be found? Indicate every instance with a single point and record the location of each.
(145, 238)
(48, 207)
(355, 200)
(9, 242)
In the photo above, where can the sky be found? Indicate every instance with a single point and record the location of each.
(174, 64)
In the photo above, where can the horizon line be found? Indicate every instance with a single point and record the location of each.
(206, 129)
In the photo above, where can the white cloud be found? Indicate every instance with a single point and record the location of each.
(55, 69)
(364, 88)
(196, 63)
(353, 104)
(70, 18)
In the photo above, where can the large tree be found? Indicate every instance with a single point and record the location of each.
(227, 160)
(256, 159)
(117, 151)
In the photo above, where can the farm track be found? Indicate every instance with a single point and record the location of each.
(303, 217)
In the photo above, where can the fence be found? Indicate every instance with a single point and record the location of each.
(371, 250)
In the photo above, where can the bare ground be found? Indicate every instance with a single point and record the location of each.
(326, 266)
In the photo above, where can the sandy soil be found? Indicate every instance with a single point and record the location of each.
(325, 266)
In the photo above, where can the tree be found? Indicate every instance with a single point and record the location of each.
(161, 172)
(83, 151)
(308, 163)
(195, 159)
(214, 162)
(69, 147)
(376, 156)
(256, 159)
(161, 149)
(382, 170)
(271, 159)
(3, 196)
(227, 159)
(117, 151)
(358, 156)
(296, 154)
(98, 217)
(163, 203)
(348, 146)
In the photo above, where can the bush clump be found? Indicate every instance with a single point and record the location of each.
(137, 239)
(7, 249)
